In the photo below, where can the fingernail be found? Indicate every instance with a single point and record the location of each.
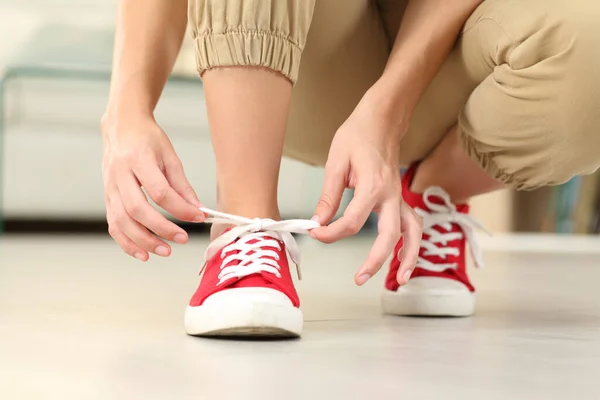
(162, 251)
(315, 218)
(199, 218)
(407, 275)
(363, 279)
(139, 256)
(180, 238)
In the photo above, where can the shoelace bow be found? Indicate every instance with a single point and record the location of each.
(443, 216)
(252, 253)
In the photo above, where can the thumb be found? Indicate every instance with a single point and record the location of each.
(331, 196)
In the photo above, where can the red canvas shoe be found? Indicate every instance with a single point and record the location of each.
(247, 287)
(439, 285)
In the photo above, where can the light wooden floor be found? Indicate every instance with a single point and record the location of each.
(79, 320)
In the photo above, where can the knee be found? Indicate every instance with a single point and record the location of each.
(559, 35)
(547, 98)
(575, 30)
(525, 35)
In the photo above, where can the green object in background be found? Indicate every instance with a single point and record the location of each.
(566, 201)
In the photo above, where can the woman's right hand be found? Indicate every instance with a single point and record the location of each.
(138, 154)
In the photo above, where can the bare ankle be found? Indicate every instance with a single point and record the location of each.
(248, 211)
(450, 168)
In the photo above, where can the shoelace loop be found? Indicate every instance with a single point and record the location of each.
(443, 216)
(252, 249)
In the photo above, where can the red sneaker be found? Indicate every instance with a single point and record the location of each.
(439, 285)
(247, 287)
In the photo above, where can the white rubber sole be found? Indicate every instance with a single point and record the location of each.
(430, 296)
(245, 312)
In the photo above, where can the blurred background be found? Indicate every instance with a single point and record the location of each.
(54, 75)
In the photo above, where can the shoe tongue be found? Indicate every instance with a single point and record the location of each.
(262, 238)
(417, 200)
(252, 241)
(461, 208)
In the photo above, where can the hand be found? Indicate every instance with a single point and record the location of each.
(363, 156)
(137, 154)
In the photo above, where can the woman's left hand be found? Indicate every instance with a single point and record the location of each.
(364, 156)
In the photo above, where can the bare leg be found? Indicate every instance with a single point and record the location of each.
(450, 168)
(247, 114)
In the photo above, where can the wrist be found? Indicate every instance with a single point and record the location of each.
(116, 115)
(390, 109)
(395, 97)
(112, 122)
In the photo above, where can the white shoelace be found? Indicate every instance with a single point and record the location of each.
(250, 258)
(443, 216)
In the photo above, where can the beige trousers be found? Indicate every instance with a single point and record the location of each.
(522, 82)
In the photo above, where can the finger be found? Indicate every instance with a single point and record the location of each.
(140, 210)
(161, 192)
(127, 245)
(176, 177)
(388, 228)
(331, 194)
(123, 241)
(412, 230)
(352, 221)
(134, 230)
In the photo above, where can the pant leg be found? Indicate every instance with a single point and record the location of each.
(265, 33)
(522, 83)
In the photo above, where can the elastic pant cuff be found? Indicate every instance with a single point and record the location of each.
(248, 48)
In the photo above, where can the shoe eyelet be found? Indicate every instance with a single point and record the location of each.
(277, 257)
